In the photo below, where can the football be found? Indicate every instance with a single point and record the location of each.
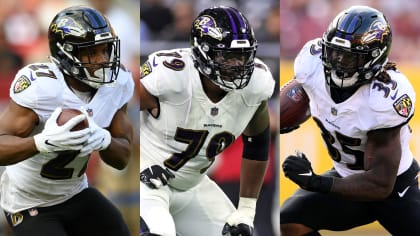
(294, 105)
(66, 114)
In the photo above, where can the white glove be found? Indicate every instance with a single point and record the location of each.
(99, 139)
(241, 221)
(55, 138)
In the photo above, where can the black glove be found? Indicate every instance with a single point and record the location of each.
(299, 170)
(155, 176)
(288, 129)
(239, 230)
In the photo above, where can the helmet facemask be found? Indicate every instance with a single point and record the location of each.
(224, 47)
(229, 68)
(88, 71)
(84, 46)
(346, 68)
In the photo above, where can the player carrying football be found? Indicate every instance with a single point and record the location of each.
(44, 189)
(195, 102)
(362, 105)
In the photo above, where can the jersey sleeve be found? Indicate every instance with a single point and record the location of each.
(394, 102)
(308, 61)
(37, 90)
(165, 75)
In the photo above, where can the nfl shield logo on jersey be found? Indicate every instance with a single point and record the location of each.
(89, 112)
(214, 111)
(33, 212)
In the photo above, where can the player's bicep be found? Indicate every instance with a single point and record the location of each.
(383, 154)
(259, 122)
(17, 120)
(121, 125)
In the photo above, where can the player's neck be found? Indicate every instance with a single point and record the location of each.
(340, 95)
(213, 92)
(75, 84)
(80, 89)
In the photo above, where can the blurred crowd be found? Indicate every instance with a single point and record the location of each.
(163, 21)
(23, 40)
(166, 24)
(175, 17)
(24, 25)
(302, 20)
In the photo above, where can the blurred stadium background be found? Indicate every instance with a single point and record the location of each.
(302, 20)
(166, 24)
(23, 40)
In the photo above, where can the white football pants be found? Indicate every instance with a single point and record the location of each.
(201, 210)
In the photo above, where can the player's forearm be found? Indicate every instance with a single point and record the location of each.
(362, 187)
(377, 182)
(252, 177)
(15, 149)
(382, 158)
(117, 154)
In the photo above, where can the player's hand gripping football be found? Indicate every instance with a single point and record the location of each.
(299, 170)
(55, 138)
(156, 176)
(98, 140)
(241, 221)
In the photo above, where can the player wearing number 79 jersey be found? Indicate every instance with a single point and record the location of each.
(195, 102)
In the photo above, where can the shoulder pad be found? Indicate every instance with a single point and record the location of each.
(125, 78)
(308, 60)
(261, 85)
(36, 84)
(125, 84)
(393, 101)
(172, 60)
(166, 73)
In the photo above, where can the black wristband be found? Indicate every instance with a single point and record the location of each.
(322, 184)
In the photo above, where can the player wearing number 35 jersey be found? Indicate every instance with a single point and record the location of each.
(362, 105)
(195, 102)
(44, 188)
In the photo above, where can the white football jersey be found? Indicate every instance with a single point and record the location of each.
(47, 179)
(191, 129)
(344, 126)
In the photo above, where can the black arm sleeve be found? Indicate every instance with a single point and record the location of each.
(256, 147)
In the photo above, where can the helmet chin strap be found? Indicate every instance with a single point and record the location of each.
(99, 78)
(223, 85)
(344, 82)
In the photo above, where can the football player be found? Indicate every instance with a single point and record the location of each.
(44, 189)
(195, 102)
(362, 105)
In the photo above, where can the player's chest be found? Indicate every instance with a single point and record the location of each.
(200, 114)
(101, 106)
(343, 134)
(349, 120)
